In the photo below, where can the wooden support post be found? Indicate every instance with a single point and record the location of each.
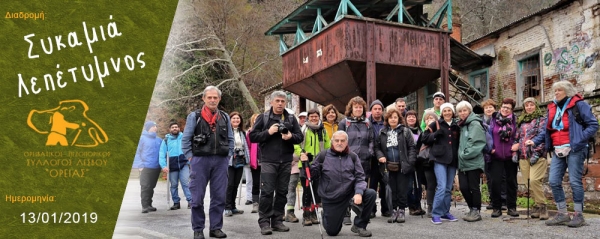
(445, 67)
(371, 71)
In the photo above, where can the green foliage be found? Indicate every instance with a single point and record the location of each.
(485, 194)
(522, 202)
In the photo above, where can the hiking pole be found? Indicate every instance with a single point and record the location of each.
(240, 191)
(528, 216)
(312, 192)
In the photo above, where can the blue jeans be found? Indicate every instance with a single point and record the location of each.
(183, 176)
(444, 175)
(574, 162)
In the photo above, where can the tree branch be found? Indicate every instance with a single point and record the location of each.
(196, 66)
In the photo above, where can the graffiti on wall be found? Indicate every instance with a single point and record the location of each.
(570, 61)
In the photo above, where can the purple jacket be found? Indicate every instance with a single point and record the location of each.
(502, 148)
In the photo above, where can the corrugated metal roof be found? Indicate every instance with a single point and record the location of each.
(543, 11)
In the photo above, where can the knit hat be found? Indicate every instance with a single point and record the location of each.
(149, 125)
(530, 99)
(439, 94)
(447, 105)
(376, 102)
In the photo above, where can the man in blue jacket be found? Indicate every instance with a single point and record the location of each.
(147, 151)
(342, 180)
(177, 167)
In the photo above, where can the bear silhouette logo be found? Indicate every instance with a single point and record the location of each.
(67, 125)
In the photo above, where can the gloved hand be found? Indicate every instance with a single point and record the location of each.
(533, 160)
(439, 133)
(515, 158)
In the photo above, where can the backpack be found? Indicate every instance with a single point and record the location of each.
(489, 142)
(591, 141)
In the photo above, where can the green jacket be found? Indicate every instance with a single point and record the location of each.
(311, 143)
(471, 144)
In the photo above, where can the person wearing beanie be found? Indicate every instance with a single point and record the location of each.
(532, 161)
(148, 152)
(438, 99)
(470, 158)
(443, 138)
(429, 117)
(377, 120)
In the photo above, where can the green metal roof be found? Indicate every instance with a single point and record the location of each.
(306, 14)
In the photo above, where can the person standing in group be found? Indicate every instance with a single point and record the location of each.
(276, 131)
(208, 143)
(237, 162)
(470, 158)
(395, 148)
(377, 119)
(489, 108)
(254, 166)
(360, 137)
(147, 151)
(415, 191)
(315, 141)
(503, 128)
(295, 175)
(438, 99)
(430, 117)
(178, 167)
(401, 106)
(571, 124)
(342, 183)
(444, 153)
(330, 119)
(532, 162)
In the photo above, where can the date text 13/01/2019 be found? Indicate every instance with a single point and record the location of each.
(59, 217)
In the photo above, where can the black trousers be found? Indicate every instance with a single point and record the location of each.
(333, 212)
(255, 183)
(415, 192)
(307, 200)
(431, 184)
(469, 187)
(234, 176)
(376, 178)
(498, 170)
(400, 183)
(488, 176)
(274, 180)
(148, 180)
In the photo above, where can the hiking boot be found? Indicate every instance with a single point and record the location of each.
(535, 212)
(362, 232)
(489, 207)
(189, 205)
(248, 202)
(449, 217)
(543, 212)
(217, 233)
(512, 212)
(475, 216)
(313, 217)
(175, 206)
(393, 217)
(429, 209)
(237, 211)
(436, 220)
(306, 219)
(152, 209)
(386, 214)
(255, 209)
(266, 231)
(199, 235)
(497, 213)
(420, 211)
(347, 221)
(289, 217)
(577, 220)
(280, 228)
(559, 219)
(412, 211)
(504, 208)
(228, 213)
(400, 216)
(372, 215)
(468, 215)
(145, 210)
